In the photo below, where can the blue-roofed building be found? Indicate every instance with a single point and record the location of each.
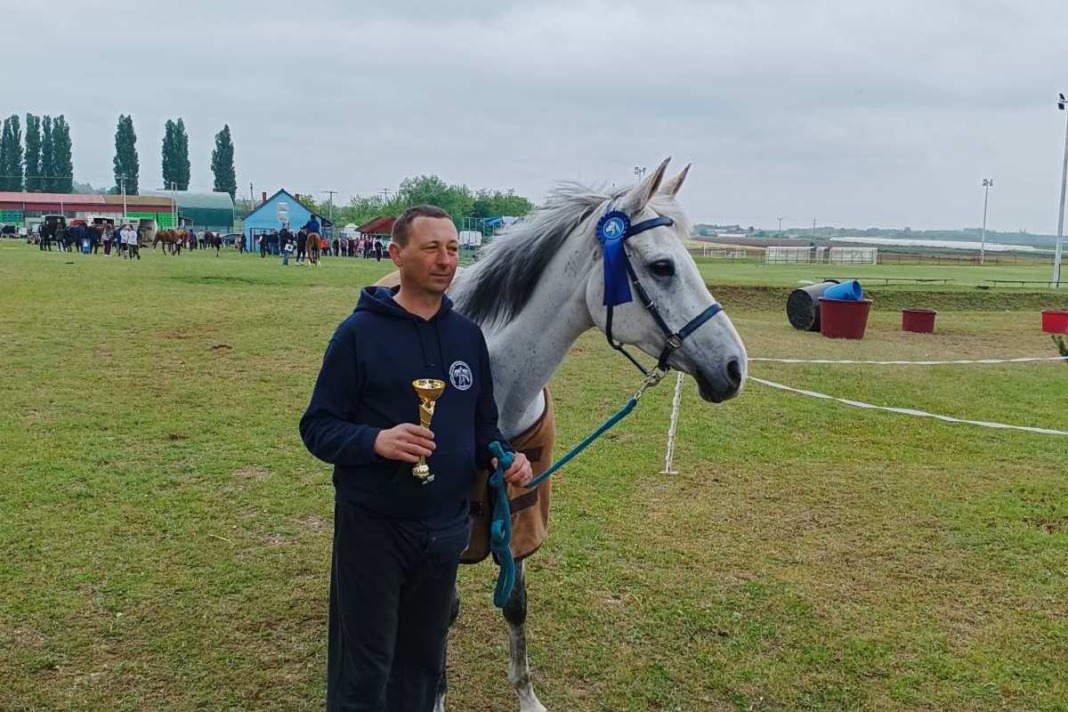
(280, 209)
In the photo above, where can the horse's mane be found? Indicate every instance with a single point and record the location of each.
(506, 272)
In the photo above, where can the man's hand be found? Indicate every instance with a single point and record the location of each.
(520, 473)
(404, 442)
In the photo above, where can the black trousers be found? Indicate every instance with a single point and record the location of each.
(391, 591)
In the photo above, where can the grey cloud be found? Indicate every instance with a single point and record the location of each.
(851, 112)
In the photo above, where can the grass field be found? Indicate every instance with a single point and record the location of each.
(165, 536)
(961, 277)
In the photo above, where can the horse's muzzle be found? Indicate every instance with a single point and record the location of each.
(725, 386)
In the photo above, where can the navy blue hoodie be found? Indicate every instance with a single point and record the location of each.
(365, 386)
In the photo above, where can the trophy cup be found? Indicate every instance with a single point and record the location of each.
(428, 390)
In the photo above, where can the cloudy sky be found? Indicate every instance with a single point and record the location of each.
(849, 112)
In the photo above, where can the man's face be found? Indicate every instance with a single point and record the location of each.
(428, 262)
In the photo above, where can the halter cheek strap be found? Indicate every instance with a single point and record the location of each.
(672, 340)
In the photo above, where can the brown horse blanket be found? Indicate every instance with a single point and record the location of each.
(530, 508)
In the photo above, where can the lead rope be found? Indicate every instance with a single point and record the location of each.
(501, 525)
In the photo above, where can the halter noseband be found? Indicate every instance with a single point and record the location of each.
(621, 231)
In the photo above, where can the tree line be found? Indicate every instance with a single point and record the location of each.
(459, 200)
(45, 164)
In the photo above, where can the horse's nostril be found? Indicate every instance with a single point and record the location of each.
(734, 373)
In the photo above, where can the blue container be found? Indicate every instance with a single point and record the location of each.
(849, 291)
(85, 245)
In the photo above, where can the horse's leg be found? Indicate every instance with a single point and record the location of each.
(515, 613)
(443, 683)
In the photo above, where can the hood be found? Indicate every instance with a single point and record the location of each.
(380, 301)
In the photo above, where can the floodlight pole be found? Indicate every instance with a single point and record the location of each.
(122, 182)
(1060, 218)
(639, 171)
(987, 182)
(331, 192)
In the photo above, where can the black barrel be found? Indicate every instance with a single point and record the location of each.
(803, 306)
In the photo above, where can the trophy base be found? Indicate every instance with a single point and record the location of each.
(422, 473)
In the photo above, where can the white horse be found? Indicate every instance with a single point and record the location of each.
(540, 286)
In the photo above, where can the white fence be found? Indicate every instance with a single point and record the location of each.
(822, 255)
(854, 255)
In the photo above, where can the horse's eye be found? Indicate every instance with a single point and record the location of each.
(662, 268)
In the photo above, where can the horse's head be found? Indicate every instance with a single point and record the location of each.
(660, 265)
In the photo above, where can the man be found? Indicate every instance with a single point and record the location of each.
(313, 225)
(397, 542)
(130, 239)
(302, 245)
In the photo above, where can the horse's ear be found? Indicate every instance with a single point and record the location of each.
(642, 193)
(672, 186)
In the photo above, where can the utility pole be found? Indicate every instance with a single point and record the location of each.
(122, 182)
(331, 193)
(780, 226)
(385, 195)
(251, 195)
(1060, 218)
(174, 204)
(987, 183)
(639, 172)
(813, 227)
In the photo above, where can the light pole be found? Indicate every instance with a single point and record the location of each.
(122, 182)
(987, 183)
(780, 226)
(174, 203)
(1060, 218)
(639, 171)
(331, 192)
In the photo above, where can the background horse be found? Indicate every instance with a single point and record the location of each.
(538, 287)
(172, 240)
(213, 241)
(312, 245)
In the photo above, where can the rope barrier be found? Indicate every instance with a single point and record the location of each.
(985, 361)
(906, 411)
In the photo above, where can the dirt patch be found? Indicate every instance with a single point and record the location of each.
(252, 473)
(188, 332)
(1051, 524)
(312, 522)
(273, 540)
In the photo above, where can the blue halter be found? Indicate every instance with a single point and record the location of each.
(613, 230)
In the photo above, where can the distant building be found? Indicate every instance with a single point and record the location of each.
(26, 210)
(381, 227)
(201, 211)
(281, 209)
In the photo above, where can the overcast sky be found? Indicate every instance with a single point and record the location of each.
(851, 112)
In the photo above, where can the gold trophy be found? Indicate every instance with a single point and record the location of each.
(428, 390)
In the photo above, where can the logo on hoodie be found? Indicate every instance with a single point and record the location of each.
(460, 376)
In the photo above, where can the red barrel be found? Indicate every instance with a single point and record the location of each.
(844, 318)
(1055, 322)
(920, 321)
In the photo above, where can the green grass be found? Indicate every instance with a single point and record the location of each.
(165, 536)
(750, 272)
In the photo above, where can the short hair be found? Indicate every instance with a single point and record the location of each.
(403, 226)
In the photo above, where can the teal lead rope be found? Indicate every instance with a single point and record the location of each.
(501, 526)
